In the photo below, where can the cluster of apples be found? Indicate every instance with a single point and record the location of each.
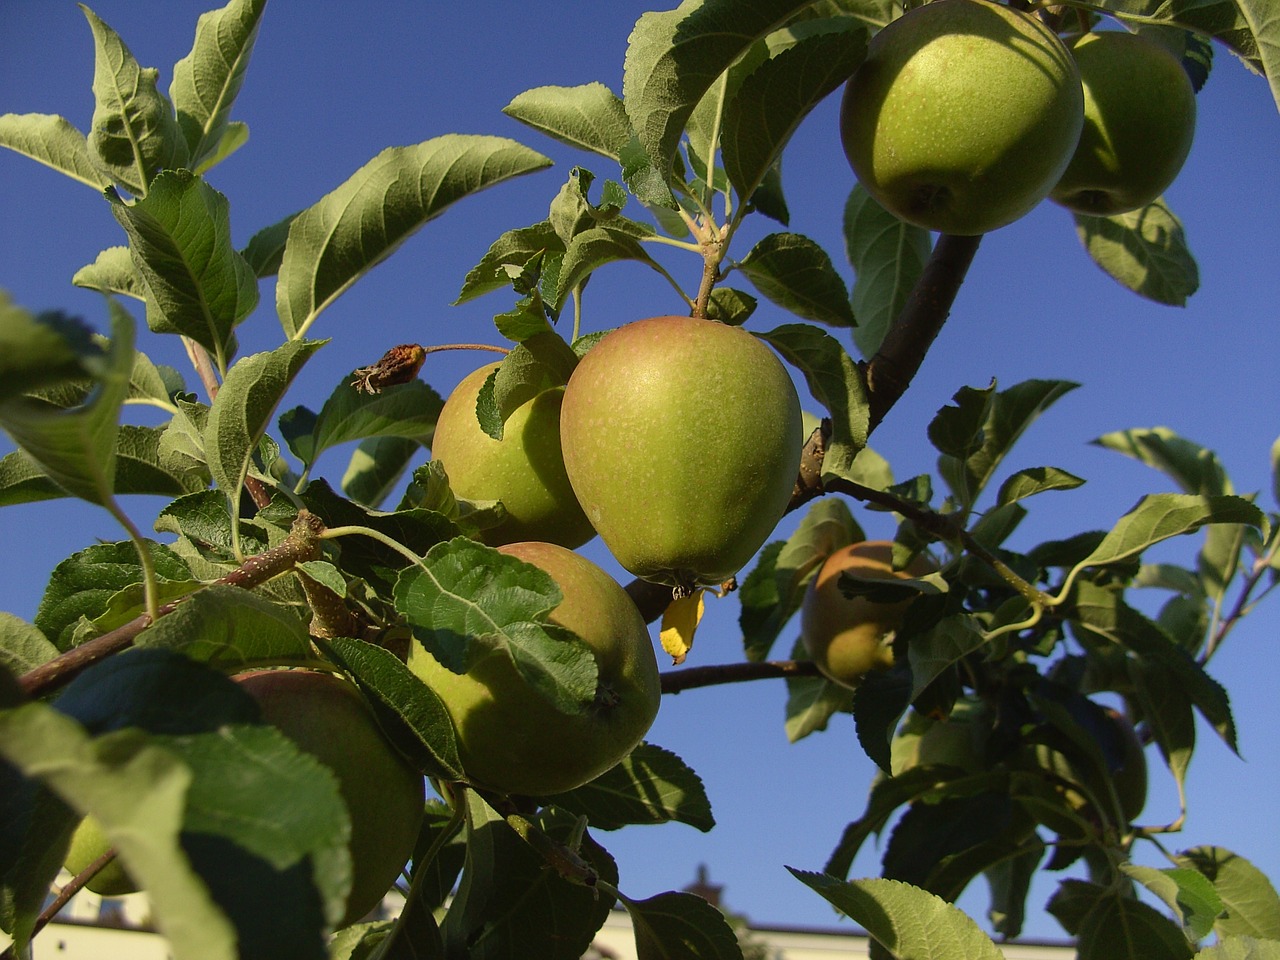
(967, 113)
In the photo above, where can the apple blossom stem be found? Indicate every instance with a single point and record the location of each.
(303, 543)
(677, 681)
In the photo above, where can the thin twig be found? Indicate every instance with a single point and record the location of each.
(675, 681)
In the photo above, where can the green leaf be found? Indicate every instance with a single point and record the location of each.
(888, 256)
(1011, 412)
(22, 646)
(1242, 27)
(349, 231)
(681, 926)
(243, 408)
(773, 591)
(798, 275)
(133, 134)
(730, 306)
(207, 80)
(1159, 516)
(1241, 948)
(232, 629)
(510, 905)
(1168, 712)
(1118, 928)
(1010, 882)
(406, 410)
(589, 117)
(1264, 26)
(933, 652)
(265, 248)
(591, 249)
(76, 448)
(375, 467)
(1144, 250)
(1252, 906)
(649, 785)
(1195, 469)
(1029, 482)
(811, 703)
(42, 349)
(35, 827)
(112, 271)
(234, 136)
(674, 57)
(467, 602)
(84, 583)
(775, 97)
(1186, 892)
(180, 239)
(910, 923)
(52, 141)
(515, 248)
(879, 702)
(836, 382)
(394, 691)
(137, 789)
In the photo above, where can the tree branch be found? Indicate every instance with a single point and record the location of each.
(675, 681)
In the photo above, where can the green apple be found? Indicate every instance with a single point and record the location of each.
(848, 637)
(88, 843)
(963, 116)
(510, 737)
(327, 718)
(524, 469)
(682, 440)
(1139, 120)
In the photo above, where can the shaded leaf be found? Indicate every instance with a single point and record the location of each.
(349, 231)
(407, 410)
(112, 271)
(375, 467)
(1186, 892)
(649, 785)
(1159, 516)
(41, 349)
(515, 248)
(1144, 250)
(681, 926)
(888, 256)
(1117, 928)
(1252, 906)
(1029, 482)
(265, 248)
(589, 117)
(811, 703)
(22, 646)
(798, 275)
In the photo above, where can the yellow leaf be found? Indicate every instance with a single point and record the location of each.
(679, 622)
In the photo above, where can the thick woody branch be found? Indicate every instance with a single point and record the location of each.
(675, 681)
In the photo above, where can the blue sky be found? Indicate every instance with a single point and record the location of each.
(333, 83)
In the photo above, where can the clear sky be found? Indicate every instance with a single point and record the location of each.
(333, 83)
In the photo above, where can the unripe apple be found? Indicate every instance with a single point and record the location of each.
(682, 440)
(524, 469)
(848, 637)
(327, 718)
(88, 843)
(510, 737)
(963, 115)
(1139, 120)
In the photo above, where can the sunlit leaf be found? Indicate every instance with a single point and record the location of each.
(112, 271)
(1241, 948)
(589, 117)
(798, 275)
(349, 231)
(1252, 906)
(1160, 516)
(52, 141)
(1186, 892)
(649, 785)
(406, 410)
(1145, 250)
(22, 646)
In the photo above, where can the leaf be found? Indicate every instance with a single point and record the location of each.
(1186, 892)
(112, 271)
(589, 117)
(52, 141)
(674, 57)
(509, 904)
(1159, 516)
(773, 591)
(76, 448)
(137, 790)
(346, 233)
(1010, 882)
(888, 256)
(232, 629)
(1265, 28)
(910, 923)
(649, 785)
(133, 134)
(681, 926)
(22, 646)
(515, 248)
(1144, 250)
(43, 349)
(730, 306)
(1241, 948)
(375, 467)
(180, 239)
(1168, 712)
(811, 703)
(243, 408)
(775, 97)
(1029, 482)
(933, 652)
(1195, 469)
(265, 248)
(592, 249)
(234, 136)
(1117, 928)
(207, 80)
(880, 701)
(407, 410)
(798, 275)
(390, 687)
(1243, 28)
(35, 827)
(467, 601)
(1252, 906)
(836, 382)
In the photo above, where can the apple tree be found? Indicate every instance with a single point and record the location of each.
(1015, 701)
